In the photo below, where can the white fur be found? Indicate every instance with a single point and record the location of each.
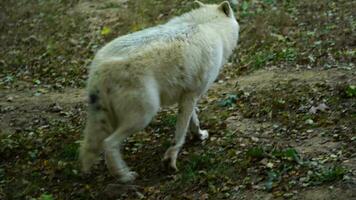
(134, 75)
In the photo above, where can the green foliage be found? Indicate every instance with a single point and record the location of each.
(46, 196)
(261, 58)
(287, 54)
(69, 151)
(255, 152)
(245, 8)
(7, 80)
(328, 175)
(289, 154)
(272, 179)
(351, 91)
(196, 162)
(8, 142)
(108, 5)
(229, 101)
(169, 120)
(105, 31)
(270, 1)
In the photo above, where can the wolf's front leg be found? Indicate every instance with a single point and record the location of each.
(194, 127)
(186, 107)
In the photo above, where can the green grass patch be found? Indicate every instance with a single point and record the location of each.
(327, 175)
(169, 120)
(256, 153)
(350, 91)
(69, 152)
(289, 154)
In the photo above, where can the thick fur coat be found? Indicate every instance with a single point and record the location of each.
(134, 75)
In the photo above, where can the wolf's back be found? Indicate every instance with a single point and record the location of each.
(138, 41)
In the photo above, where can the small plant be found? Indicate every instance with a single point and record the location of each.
(8, 79)
(46, 196)
(255, 152)
(69, 152)
(109, 5)
(329, 175)
(272, 180)
(351, 91)
(289, 154)
(260, 59)
(270, 1)
(191, 169)
(229, 101)
(245, 7)
(105, 31)
(169, 120)
(288, 54)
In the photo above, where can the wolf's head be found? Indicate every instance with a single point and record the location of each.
(214, 10)
(207, 13)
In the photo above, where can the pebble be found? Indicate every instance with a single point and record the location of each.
(309, 121)
(10, 98)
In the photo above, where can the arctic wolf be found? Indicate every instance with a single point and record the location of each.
(134, 75)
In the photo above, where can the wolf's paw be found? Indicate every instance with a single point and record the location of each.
(128, 177)
(203, 134)
(170, 158)
(87, 159)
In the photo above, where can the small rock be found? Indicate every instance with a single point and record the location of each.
(270, 165)
(160, 16)
(321, 107)
(10, 98)
(288, 195)
(37, 94)
(333, 156)
(7, 109)
(139, 195)
(55, 108)
(255, 139)
(309, 121)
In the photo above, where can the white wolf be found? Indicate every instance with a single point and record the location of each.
(134, 75)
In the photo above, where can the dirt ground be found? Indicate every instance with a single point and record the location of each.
(281, 115)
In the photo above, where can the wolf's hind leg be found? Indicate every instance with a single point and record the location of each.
(134, 116)
(186, 107)
(94, 135)
(194, 127)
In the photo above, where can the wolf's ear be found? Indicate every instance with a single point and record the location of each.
(225, 8)
(198, 4)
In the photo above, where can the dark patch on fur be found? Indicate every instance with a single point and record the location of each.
(93, 98)
(94, 101)
(182, 77)
(181, 68)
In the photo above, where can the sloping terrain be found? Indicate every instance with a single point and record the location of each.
(281, 115)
